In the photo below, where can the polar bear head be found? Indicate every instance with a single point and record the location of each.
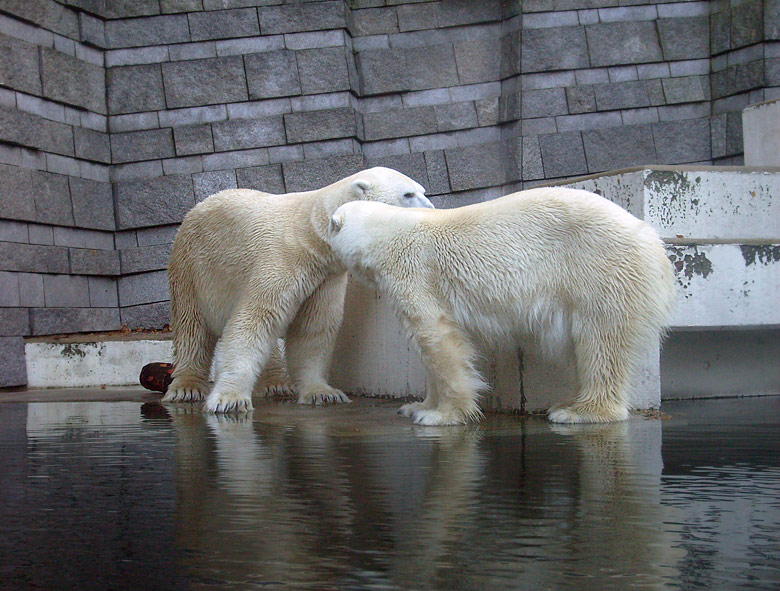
(387, 186)
(360, 231)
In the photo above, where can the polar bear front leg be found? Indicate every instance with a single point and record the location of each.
(246, 346)
(310, 340)
(447, 355)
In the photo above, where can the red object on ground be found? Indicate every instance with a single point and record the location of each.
(157, 376)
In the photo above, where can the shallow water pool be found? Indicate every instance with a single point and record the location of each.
(114, 491)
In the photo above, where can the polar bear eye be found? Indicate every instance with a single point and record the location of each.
(409, 195)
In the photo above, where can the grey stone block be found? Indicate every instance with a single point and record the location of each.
(90, 261)
(52, 199)
(35, 132)
(154, 236)
(224, 24)
(192, 51)
(559, 48)
(142, 145)
(9, 289)
(544, 103)
(623, 43)
(145, 258)
(136, 170)
(316, 39)
(581, 99)
(679, 142)
(323, 70)
(102, 292)
(14, 322)
(49, 16)
(381, 71)
(720, 31)
(208, 183)
(320, 125)
(237, 159)
(92, 145)
(686, 90)
(193, 139)
(746, 23)
(562, 154)
(272, 74)
(147, 315)
(14, 367)
(412, 165)
(153, 202)
(308, 16)
(143, 288)
(46, 321)
(19, 66)
(193, 116)
(66, 291)
(143, 32)
(135, 88)
(478, 60)
(204, 82)
(13, 231)
(772, 20)
(92, 30)
(532, 159)
(621, 95)
(315, 174)
(431, 67)
(248, 45)
(685, 38)
(134, 122)
(436, 168)
(40, 234)
(17, 200)
(31, 290)
(93, 204)
(400, 123)
(185, 165)
(70, 80)
(476, 166)
(240, 134)
(455, 13)
(268, 179)
(175, 6)
(619, 147)
(456, 116)
(656, 92)
(416, 17)
(374, 21)
(487, 111)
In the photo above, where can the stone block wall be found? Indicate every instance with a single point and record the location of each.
(117, 117)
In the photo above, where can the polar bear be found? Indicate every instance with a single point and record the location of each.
(565, 266)
(249, 267)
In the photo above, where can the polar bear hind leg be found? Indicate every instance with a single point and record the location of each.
(193, 346)
(310, 340)
(604, 360)
(247, 343)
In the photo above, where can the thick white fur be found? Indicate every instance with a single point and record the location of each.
(251, 267)
(564, 265)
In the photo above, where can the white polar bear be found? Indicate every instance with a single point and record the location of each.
(564, 265)
(251, 267)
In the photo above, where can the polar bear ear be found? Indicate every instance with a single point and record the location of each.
(360, 187)
(336, 221)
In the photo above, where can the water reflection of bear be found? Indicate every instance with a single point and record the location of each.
(454, 509)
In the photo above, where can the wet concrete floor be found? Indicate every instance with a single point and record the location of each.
(107, 489)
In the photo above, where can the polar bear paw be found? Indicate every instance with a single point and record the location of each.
(183, 390)
(436, 417)
(277, 390)
(323, 395)
(224, 402)
(409, 409)
(572, 414)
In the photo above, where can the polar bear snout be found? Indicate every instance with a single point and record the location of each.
(416, 199)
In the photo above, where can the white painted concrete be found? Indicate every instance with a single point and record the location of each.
(761, 133)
